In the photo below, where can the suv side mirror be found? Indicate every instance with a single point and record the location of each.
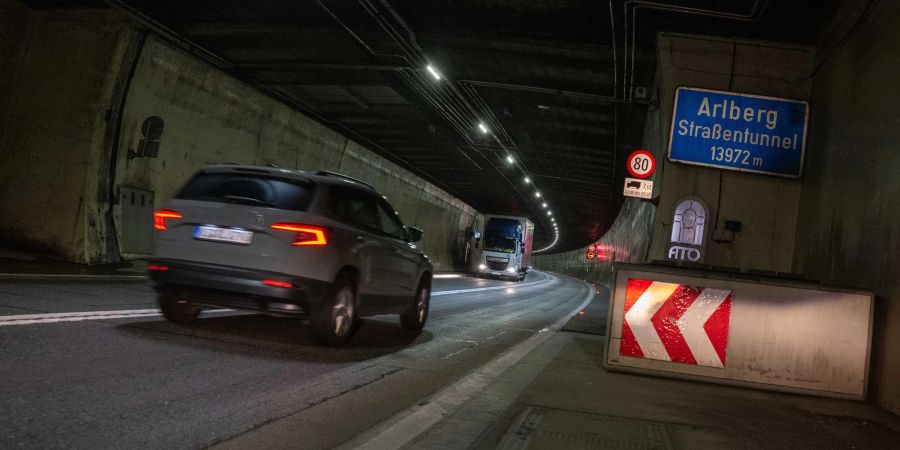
(413, 234)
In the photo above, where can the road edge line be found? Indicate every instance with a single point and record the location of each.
(407, 425)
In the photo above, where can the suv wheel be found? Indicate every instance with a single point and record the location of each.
(178, 309)
(414, 318)
(333, 322)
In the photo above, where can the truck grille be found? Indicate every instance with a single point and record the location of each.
(497, 265)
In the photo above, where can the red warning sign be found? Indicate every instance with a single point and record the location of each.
(641, 164)
(676, 322)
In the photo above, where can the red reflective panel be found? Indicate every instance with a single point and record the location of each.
(307, 235)
(159, 218)
(276, 283)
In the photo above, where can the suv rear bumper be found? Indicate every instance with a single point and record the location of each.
(234, 287)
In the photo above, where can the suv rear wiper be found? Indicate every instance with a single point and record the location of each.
(255, 201)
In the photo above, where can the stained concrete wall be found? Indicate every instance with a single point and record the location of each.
(848, 231)
(210, 117)
(75, 87)
(838, 224)
(766, 206)
(15, 22)
(59, 75)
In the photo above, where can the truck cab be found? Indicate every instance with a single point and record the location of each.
(503, 249)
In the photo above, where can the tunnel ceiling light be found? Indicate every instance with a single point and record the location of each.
(484, 129)
(527, 180)
(434, 73)
(544, 204)
(510, 159)
(537, 194)
(549, 213)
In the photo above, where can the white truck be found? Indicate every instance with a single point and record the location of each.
(503, 248)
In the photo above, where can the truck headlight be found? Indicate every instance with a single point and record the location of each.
(482, 267)
(510, 270)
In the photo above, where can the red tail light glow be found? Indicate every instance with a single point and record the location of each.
(158, 268)
(307, 235)
(276, 283)
(159, 218)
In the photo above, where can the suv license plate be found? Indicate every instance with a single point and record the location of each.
(231, 235)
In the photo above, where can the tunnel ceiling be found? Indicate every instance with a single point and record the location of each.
(551, 80)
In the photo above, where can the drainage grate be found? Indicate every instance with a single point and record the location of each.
(541, 428)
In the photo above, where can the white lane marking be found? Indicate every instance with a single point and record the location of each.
(408, 425)
(492, 288)
(640, 315)
(447, 275)
(31, 319)
(691, 326)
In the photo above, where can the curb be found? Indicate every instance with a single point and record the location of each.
(69, 277)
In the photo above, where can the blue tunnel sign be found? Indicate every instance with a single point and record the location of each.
(747, 133)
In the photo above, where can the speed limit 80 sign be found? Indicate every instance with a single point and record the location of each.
(641, 164)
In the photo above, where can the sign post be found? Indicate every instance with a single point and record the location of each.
(741, 132)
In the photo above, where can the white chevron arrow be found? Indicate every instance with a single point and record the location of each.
(691, 326)
(642, 311)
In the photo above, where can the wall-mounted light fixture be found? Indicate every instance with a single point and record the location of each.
(434, 72)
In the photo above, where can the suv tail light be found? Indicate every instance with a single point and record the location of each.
(307, 235)
(159, 218)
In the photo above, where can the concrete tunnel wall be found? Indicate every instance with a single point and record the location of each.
(838, 223)
(765, 205)
(848, 231)
(58, 77)
(60, 125)
(628, 238)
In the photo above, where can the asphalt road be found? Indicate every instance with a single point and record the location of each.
(93, 365)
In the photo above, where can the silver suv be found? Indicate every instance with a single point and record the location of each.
(321, 246)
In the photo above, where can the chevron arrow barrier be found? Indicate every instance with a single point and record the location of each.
(676, 322)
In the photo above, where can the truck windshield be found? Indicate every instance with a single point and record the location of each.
(501, 235)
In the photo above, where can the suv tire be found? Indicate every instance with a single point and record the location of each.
(414, 318)
(177, 309)
(333, 322)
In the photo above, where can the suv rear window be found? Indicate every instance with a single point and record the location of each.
(249, 189)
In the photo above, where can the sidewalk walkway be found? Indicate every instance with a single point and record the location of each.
(570, 401)
(18, 265)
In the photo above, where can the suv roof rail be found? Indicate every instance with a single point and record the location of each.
(328, 173)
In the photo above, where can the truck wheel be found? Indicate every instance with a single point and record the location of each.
(176, 309)
(332, 322)
(414, 318)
